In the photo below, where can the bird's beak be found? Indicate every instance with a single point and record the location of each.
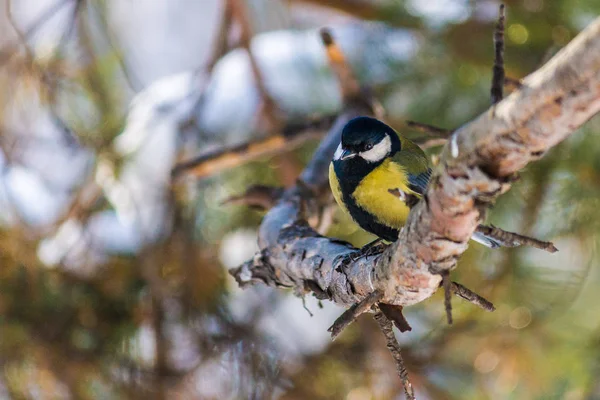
(347, 154)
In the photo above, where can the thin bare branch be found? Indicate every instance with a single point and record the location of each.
(292, 134)
(221, 44)
(394, 314)
(350, 315)
(392, 344)
(511, 239)
(472, 297)
(349, 85)
(446, 284)
(220, 159)
(48, 80)
(10, 50)
(497, 90)
(270, 111)
(22, 38)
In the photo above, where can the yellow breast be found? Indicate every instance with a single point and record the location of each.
(335, 188)
(373, 195)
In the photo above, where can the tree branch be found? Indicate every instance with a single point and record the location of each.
(349, 85)
(269, 109)
(475, 167)
(354, 312)
(291, 136)
(497, 90)
(511, 239)
(472, 297)
(392, 344)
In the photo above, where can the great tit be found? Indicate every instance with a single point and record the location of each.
(377, 175)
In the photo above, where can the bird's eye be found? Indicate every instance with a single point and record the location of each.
(368, 147)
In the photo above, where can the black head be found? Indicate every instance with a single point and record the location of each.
(366, 139)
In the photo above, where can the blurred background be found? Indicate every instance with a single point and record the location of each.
(113, 278)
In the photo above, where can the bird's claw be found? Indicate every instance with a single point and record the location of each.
(366, 251)
(350, 258)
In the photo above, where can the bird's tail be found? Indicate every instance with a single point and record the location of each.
(486, 240)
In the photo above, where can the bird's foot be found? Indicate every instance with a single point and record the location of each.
(375, 247)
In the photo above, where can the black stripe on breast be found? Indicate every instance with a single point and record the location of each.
(368, 222)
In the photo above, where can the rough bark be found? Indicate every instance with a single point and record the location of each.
(476, 166)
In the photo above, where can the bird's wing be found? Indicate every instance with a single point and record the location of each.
(414, 162)
(418, 182)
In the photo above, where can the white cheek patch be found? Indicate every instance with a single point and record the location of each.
(338, 152)
(379, 151)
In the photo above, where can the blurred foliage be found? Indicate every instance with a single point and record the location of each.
(160, 321)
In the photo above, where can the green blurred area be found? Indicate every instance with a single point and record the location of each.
(66, 335)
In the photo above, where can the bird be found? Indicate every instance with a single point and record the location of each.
(377, 175)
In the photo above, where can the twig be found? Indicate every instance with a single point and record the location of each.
(305, 307)
(446, 284)
(392, 344)
(498, 70)
(21, 36)
(394, 314)
(215, 161)
(291, 136)
(132, 79)
(349, 86)
(430, 129)
(44, 77)
(354, 312)
(511, 239)
(472, 297)
(269, 110)
(9, 51)
(221, 44)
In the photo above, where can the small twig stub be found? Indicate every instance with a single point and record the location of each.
(472, 297)
(511, 239)
(354, 312)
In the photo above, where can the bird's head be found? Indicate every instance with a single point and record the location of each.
(366, 139)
